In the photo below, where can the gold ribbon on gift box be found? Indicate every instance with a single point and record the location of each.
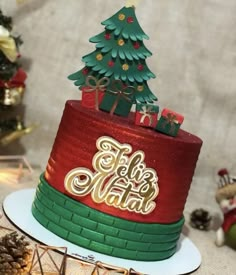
(8, 45)
(96, 85)
(171, 119)
(120, 91)
(147, 111)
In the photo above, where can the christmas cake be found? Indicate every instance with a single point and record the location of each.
(115, 182)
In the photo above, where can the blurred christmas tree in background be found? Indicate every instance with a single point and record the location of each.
(12, 86)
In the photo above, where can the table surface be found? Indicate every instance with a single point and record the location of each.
(215, 260)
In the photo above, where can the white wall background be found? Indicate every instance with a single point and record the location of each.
(194, 56)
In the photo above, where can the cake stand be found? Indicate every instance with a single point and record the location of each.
(17, 207)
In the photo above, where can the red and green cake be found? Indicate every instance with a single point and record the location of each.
(110, 185)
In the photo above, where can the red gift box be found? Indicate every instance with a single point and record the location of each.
(89, 98)
(178, 117)
(169, 122)
(146, 115)
(93, 92)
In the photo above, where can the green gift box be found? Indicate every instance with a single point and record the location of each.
(169, 122)
(118, 100)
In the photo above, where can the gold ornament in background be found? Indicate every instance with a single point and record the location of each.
(140, 88)
(125, 67)
(121, 17)
(99, 57)
(12, 96)
(8, 45)
(121, 42)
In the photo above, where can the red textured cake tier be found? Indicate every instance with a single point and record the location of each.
(173, 158)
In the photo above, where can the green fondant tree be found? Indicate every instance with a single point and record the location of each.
(120, 55)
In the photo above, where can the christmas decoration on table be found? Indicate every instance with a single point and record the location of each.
(200, 219)
(146, 115)
(5, 21)
(12, 84)
(169, 122)
(43, 255)
(13, 89)
(108, 268)
(3, 227)
(12, 129)
(20, 131)
(104, 267)
(13, 169)
(9, 49)
(15, 254)
(120, 55)
(226, 198)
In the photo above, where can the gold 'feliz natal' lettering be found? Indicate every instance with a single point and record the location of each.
(119, 180)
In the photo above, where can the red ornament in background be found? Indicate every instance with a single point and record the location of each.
(136, 45)
(140, 67)
(130, 19)
(110, 63)
(107, 36)
(85, 71)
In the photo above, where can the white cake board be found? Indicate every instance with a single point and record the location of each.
(17, 207)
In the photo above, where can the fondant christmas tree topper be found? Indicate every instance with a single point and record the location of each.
(120, 54)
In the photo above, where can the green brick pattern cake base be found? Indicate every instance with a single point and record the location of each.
(100, 232)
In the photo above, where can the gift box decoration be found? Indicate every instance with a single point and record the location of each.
(169, 122)
(146, 115)
(118, 100)
(93, 92)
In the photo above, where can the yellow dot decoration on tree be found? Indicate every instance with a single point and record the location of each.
(99, 57)
(121, 42)
(121, 17)
(140, 88)
(125, 67)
